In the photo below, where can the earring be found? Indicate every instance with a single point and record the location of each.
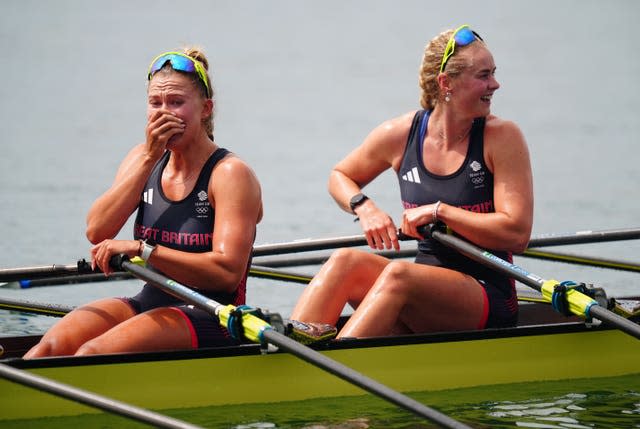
(447, 97)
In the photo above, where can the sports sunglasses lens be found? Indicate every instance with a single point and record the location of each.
(177, 62)
(464, 36)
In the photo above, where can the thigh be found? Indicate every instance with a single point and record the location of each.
(344, 279)
(81, 325)
(441, 299)
(164, 328)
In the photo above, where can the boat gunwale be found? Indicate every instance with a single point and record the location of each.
(343, 344)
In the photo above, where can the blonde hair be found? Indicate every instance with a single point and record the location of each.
(197, 53)
(430, 67)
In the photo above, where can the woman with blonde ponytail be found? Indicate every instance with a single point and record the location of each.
(456, 164)
(197, 206)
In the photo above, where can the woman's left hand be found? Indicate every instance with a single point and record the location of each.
(102, 252)
(416, 217)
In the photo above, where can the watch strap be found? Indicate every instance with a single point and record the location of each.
(357, 200)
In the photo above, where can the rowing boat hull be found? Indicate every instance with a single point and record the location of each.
(244, 375)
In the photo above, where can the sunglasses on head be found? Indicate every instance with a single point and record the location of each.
(463, 36)
(180, 62)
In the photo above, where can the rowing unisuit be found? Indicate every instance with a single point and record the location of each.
(472, 186)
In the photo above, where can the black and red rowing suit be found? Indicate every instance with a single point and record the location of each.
(184, 225)
(469, 188)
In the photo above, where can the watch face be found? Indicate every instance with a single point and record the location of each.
(357, 199)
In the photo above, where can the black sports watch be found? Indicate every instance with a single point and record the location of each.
(356, 200)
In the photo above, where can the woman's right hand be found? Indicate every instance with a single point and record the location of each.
(102, 253)
(162, 125)
(379, 229)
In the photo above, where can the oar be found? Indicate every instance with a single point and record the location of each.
(578, 303)
(257, 330)
(274, 274)
(581, 260)
(92, 399)
(64, 280)
(17, 274)
(309, 245)
(581, 237)
(543, 240)
(55, 310)
(254, 271)
(297, 261)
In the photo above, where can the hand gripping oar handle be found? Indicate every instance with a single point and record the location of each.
(258, 330)
(579, 303)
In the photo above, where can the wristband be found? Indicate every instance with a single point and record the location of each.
(147, 249)
(435, 211)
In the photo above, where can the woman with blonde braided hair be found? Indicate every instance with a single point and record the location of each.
(456, 164)
(189, 225)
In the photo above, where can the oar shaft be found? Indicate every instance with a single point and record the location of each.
(625, 325)
(65, 280)
(308, 245)
(171, 287)
(511, 270)
(360, 240)
(276, 262)
(360, 380)
(93, 400)
(581, 237)
(56, 310)
(571, 258)
(16, 274)
(489, 259)
(309, 355)
(274, 274)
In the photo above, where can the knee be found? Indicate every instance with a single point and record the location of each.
(345, 257)
(394, 278)
(340, 269)
(89, 348)
(50, 347)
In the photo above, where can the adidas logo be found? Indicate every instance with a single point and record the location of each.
(147, 196)
(412, 176)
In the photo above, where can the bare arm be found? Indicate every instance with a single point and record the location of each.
(111, 210)
(382, 149)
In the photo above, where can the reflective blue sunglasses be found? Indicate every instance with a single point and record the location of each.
(463, 36)
(180, 62)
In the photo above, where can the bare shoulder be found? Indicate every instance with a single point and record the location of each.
(395, 129)
(504, 141)
(498, 129)
(131, 160)
(231, 167)
(387, 141)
